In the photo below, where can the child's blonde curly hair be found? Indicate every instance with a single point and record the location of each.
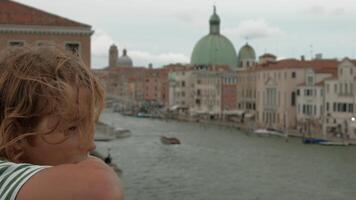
(35, 83)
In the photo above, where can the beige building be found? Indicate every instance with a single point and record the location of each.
(340, 100)
(207, 90)
(197, 90)
(246, 91)
(22, 25)
(276, 84)
(180, 89)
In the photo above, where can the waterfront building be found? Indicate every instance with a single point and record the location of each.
(246, 93)
(206, 91)
(22, 25)
(156, 86)
(340, 102)
(276, 84)
(125, 84)
(180, 89)
(229, 91)
(214, 48)
(311, 100)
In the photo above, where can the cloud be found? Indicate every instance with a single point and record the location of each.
(255, 28)
(101, 43)
(143, 58)
(322, 10)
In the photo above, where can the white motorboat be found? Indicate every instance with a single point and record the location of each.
(269, 132)
(121, 133)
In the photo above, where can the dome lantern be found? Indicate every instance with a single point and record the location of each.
(214, 23)
(124, 60)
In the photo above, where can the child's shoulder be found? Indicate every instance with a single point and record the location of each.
(13, 176)
(89, 179)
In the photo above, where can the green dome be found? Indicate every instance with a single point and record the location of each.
(214, 50)
(247, 52)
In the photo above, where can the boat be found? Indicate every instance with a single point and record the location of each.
(169, 140)
(121, 133)
(269, 132)
(102, 138)
(334, 143)
(310, 140)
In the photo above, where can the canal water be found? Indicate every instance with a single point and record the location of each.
(217, 163)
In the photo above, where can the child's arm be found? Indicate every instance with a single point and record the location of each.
(91, 179)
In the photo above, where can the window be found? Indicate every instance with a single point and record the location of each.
(335, 88)
(351, 108)
(183, 83)
(310, 80)
(334, 107)
(73, 47)
(16, 43)
(327, 88)
(327, 106)
(293, 99)
(298, 92)
(198, 92)
(294, 75)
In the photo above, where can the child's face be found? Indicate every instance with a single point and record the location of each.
(72, 150)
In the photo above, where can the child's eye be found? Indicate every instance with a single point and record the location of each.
(72, 128)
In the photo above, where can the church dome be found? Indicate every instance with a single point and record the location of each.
(214, 48)
(247, 52)
(124, 60)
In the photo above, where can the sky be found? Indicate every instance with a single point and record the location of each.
(165, 31)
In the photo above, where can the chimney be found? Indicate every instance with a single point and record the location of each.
(150, 66)
(302, 58)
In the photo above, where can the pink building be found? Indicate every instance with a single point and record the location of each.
(276, 84)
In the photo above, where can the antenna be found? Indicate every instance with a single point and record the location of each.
(311, 52)
(246, 38)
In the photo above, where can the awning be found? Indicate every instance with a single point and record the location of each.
(174, 107)
(249, 115)
(234, 112)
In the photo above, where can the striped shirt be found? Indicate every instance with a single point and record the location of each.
(13, 176)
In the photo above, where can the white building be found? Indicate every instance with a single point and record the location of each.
(340, 102)
(310, 101)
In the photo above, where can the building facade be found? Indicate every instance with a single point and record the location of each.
(22, 25)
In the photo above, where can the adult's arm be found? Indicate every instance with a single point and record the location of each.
(91, 179)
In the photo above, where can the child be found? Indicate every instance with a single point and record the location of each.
(49, 103)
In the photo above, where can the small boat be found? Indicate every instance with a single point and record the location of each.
(310, 140)
(334, 143)
(169, 140)
(269, 132)
(121, 133)
(102, 138)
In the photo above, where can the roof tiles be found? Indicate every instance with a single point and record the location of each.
(14, 13)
